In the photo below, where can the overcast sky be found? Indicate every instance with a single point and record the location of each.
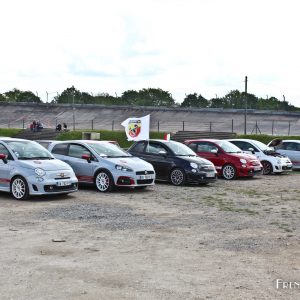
(181, 46)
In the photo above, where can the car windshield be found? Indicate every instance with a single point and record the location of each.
(29, 150)
(181, 149)
(228, 147)
(108, 149)
(262, 146)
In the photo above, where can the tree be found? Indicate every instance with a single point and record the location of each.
(69, 95)
(193, 100)
(2, 98)
(130, 97)
(16, 95)
(155, 97)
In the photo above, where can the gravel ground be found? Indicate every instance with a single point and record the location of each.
(228, 240)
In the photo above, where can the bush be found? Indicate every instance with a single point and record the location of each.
(9, 132)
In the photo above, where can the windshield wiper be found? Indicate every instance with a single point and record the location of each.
(192, 155)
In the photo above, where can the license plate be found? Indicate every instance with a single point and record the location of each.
(210, 175)
(257, 168)
(63, 183)
(145, 177)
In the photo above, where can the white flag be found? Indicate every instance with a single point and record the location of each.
(137, 128)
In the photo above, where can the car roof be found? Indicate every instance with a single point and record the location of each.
(204, 140)
(158, 140)
(296, 141)
(12, 139)
(79, 141)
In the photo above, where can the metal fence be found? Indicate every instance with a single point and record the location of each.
(271, 127)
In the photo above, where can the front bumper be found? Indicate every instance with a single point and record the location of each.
(201, 177)
(52, 185)
(134, 179)
(283, 168)
(249, 171)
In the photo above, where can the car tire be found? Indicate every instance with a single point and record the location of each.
(19, 188)
(104, 181)
(229, 172)
(267, 167)
(177, 176)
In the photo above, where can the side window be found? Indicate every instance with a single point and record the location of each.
(78, 150)
(154, 148)
(3, 150)
(241, 145)
(245, 146)
(139, 147)
(292, 146)
(193, 146)
(60, 149)
(206, 147)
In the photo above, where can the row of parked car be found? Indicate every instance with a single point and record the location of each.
(56, 167)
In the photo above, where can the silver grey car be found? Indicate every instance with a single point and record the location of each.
(27, 168)
(289, 148)
(103, 164)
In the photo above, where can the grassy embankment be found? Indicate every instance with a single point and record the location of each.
(122, 140)
(118, 136)
(10, 132)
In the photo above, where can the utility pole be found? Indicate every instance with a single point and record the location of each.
(73, 112)
(245, 124)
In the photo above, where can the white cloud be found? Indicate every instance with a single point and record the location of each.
(189, 46)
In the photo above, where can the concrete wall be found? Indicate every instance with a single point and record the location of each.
(163, 119)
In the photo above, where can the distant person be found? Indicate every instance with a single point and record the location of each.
(58, 127)
(39, 125)
(65, 127)
(34, 127)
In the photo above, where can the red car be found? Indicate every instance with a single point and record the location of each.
(229, 160)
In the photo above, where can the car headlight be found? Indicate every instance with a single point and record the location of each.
(279, 161)
(193, 165)
(243, 161)
(39, 172)
(123, 168)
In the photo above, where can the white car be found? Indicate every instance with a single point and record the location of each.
(27, 168)
(290, 148)
(272, 161)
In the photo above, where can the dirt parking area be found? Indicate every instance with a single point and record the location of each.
(228, 240)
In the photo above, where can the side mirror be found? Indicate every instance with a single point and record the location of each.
(3, 157)
(86, 157)
(215, 151)
(162, 153)
(251, 150)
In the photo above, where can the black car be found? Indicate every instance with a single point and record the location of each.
(174, 162)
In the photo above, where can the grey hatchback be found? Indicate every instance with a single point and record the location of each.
(103, 164)
(26, 168)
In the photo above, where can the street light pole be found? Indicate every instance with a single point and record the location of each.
(245, 121)
(73, 113)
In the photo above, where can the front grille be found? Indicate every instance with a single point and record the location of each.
(286, 167)
(54, 188)
(144, 172)
(207, 168)
(144, 181)
(62, 178)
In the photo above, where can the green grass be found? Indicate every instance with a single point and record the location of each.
(118, 136)
(11, 132)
